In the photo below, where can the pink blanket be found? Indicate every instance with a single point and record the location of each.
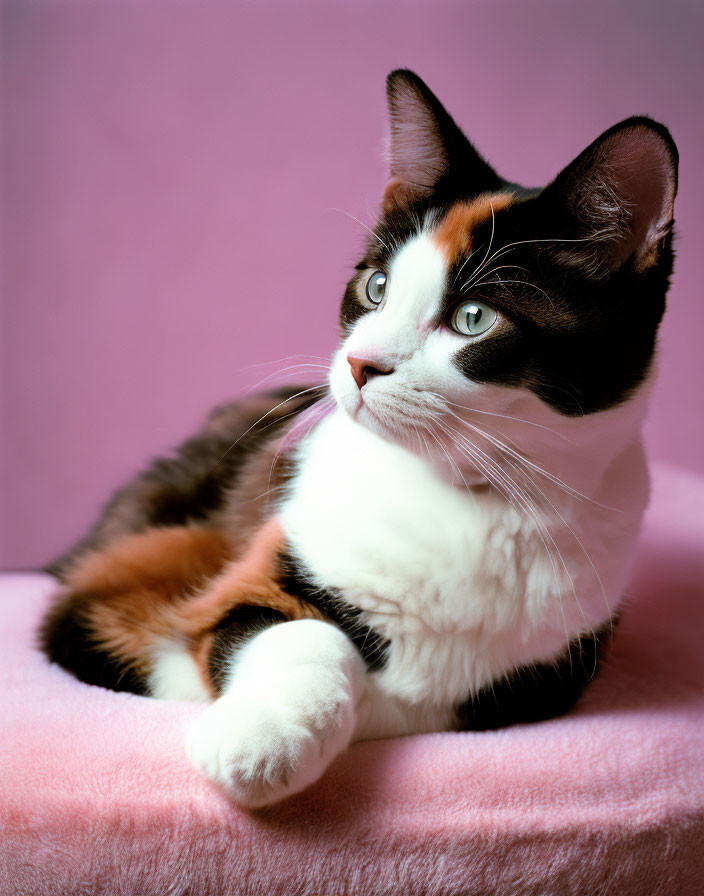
(97, 796)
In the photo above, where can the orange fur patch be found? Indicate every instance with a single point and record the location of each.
(128, 593)
(176, 584)
(251, 580)
(454, 234)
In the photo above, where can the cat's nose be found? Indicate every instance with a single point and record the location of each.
(363, 369)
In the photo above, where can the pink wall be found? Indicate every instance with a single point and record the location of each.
(170, 178)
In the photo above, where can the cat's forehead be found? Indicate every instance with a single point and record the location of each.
(456, 231)
(422, 260)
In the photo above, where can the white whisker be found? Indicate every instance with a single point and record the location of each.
(501, 251)
(538, 469)
(505, 417)
(304, 367)
(264, 416)
(324, 402)
(522, 282)
(474, 281)
(362, 224)
(514, 492)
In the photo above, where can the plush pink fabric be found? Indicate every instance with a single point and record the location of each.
(98, 798)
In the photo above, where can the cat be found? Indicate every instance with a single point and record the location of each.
(439, 537)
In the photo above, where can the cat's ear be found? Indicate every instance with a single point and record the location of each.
(426, 147)
(617, 197)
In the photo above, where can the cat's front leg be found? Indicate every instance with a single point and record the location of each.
(287, 710)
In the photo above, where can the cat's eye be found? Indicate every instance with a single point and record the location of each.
(472, 318)
(376, 287)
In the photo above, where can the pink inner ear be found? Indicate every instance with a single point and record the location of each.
(417, 153)
(639, 168)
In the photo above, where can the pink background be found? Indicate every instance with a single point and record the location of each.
(171, 172)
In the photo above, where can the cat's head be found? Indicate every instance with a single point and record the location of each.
(479, 296)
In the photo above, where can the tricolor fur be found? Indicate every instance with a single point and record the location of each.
(441, 538)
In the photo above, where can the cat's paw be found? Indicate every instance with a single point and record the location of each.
(262, 752)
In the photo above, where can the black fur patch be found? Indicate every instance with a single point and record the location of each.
(295, 580)
(67, 640)
(579, 304)
(232, 632)
(582, 344)
(535, 693)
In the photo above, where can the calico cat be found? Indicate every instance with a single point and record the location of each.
(440, 537)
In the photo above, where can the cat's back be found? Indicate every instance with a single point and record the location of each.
(213, 477)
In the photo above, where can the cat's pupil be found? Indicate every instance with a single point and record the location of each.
(474, 315)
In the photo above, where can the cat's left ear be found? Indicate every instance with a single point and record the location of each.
(426, 148)
(616, 199)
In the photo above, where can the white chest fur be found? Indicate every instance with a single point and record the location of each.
(463, 584)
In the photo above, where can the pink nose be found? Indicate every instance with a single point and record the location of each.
(363, 369)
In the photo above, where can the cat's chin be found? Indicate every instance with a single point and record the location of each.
(366, 417)
(363, 414)
(358, 410)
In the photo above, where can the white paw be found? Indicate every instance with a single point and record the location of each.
(262, 751)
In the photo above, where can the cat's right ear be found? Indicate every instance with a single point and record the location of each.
(426, 148)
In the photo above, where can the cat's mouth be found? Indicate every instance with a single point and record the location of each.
(363, 412)
(396, 411)
(393, 420)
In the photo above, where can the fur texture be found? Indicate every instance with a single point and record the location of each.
(98, 797)
(451, 522)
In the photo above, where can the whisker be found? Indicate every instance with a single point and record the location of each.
(534, 484)
(268, 491)
(501, 251)
(522, 459)
(467, 259)
(545, 385)
(362, 224)
(324, 402)
(491, 238)
(264, 416)
(493, 471)
(503, 416)
(288, 358)
(453, 464)
(578, 541)
(501, 445)
(276, 373)
(473, 281)
(538, 469)
(522, 282)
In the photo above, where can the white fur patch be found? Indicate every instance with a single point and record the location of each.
(175, 675)
(289, 708)
(464, 585)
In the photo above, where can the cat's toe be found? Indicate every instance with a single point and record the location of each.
(258, 753)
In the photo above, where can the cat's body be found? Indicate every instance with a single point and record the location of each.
(443, 544)
(459, 582)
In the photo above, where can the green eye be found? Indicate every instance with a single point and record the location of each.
(472, 318)
(376, 287)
